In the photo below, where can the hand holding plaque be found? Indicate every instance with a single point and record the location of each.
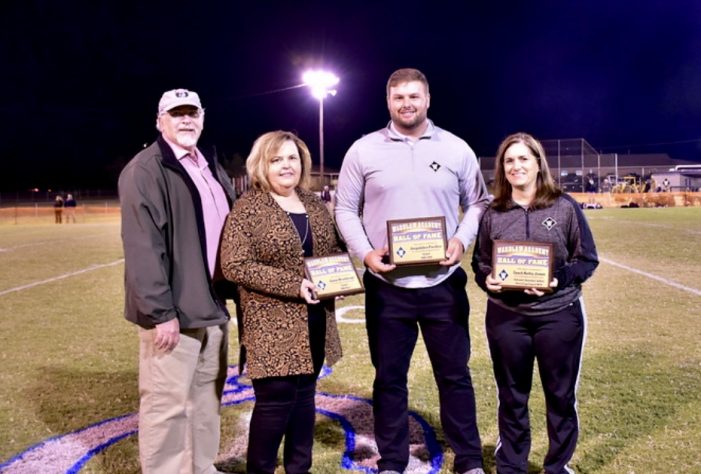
(417, 241)
(523, 265)
(333, 275)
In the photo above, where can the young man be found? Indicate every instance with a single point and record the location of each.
(413, 169)
(174, 202)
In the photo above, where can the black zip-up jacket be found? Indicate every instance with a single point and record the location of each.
(563, 224)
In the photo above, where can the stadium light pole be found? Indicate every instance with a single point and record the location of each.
(321, 83)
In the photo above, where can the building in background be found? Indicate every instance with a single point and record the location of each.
(579, 168)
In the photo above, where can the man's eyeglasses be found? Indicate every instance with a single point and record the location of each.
(190, 112)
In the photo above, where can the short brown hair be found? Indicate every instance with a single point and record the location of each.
(546, 189)
(264, 149)
(406, 75)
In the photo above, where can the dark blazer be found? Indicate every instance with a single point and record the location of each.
(261, 252)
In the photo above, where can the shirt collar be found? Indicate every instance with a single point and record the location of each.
(180, 152)
(394, 134)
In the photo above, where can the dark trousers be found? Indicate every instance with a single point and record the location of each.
(394, 316)
(285, 408)
(555, 341)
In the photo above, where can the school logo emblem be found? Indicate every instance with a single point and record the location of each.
(549, 223)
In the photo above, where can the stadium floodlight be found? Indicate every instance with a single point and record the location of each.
(321, 84)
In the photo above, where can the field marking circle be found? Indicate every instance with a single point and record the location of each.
(70, 452)
(341, 315)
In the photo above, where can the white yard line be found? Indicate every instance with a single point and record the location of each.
(653, 277)
(61, 277)
(666, 281)
(45, 242)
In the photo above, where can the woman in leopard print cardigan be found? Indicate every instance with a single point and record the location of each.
(286, 333)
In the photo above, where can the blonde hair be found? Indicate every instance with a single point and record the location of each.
(264, 149)
(546, 189)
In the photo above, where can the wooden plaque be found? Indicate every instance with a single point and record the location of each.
(333, 275)
(522, 265)
(417, 241)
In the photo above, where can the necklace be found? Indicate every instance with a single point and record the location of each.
(298, 224)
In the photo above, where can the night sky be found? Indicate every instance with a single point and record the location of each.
(81, 81)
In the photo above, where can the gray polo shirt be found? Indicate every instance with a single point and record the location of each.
(386, 175)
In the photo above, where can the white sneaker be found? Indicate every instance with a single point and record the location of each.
(477, 470)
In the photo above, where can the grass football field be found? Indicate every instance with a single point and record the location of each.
(68, 359)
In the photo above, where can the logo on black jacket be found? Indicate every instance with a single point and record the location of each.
(549, 223)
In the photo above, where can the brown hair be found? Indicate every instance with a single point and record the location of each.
(546, 189)
(406, 75)
(264, 149)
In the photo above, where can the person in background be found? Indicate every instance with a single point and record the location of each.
(70, 205)
(58, 209)
(174, 200)
(286, 331)
(327, 198)
(528, 325)
(412, 169)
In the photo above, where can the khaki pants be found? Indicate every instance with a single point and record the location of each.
(179, 415)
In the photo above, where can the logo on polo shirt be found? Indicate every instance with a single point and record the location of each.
(434, 166)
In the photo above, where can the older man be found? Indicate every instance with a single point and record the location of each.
(174, 202)
(413, 169)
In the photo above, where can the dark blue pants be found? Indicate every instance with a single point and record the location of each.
(555, 341)
(394, 316)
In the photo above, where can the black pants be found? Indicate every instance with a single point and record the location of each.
(285, 408)
(555, 341)
(394, 316)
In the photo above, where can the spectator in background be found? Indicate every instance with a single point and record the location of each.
(174, 201)
(70, 205)
(58, 209)
(666, 185)
(327, 198)
(590, 186)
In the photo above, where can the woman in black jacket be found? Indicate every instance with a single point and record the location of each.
(530, 324)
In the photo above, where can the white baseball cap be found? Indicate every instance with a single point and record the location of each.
(176, 98)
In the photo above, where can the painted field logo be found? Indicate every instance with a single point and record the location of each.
(70, 452)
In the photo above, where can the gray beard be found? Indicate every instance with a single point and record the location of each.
(186, 141)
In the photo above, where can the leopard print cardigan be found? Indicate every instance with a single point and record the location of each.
(261, 252)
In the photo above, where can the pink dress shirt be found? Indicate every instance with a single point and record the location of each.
(215, 206)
